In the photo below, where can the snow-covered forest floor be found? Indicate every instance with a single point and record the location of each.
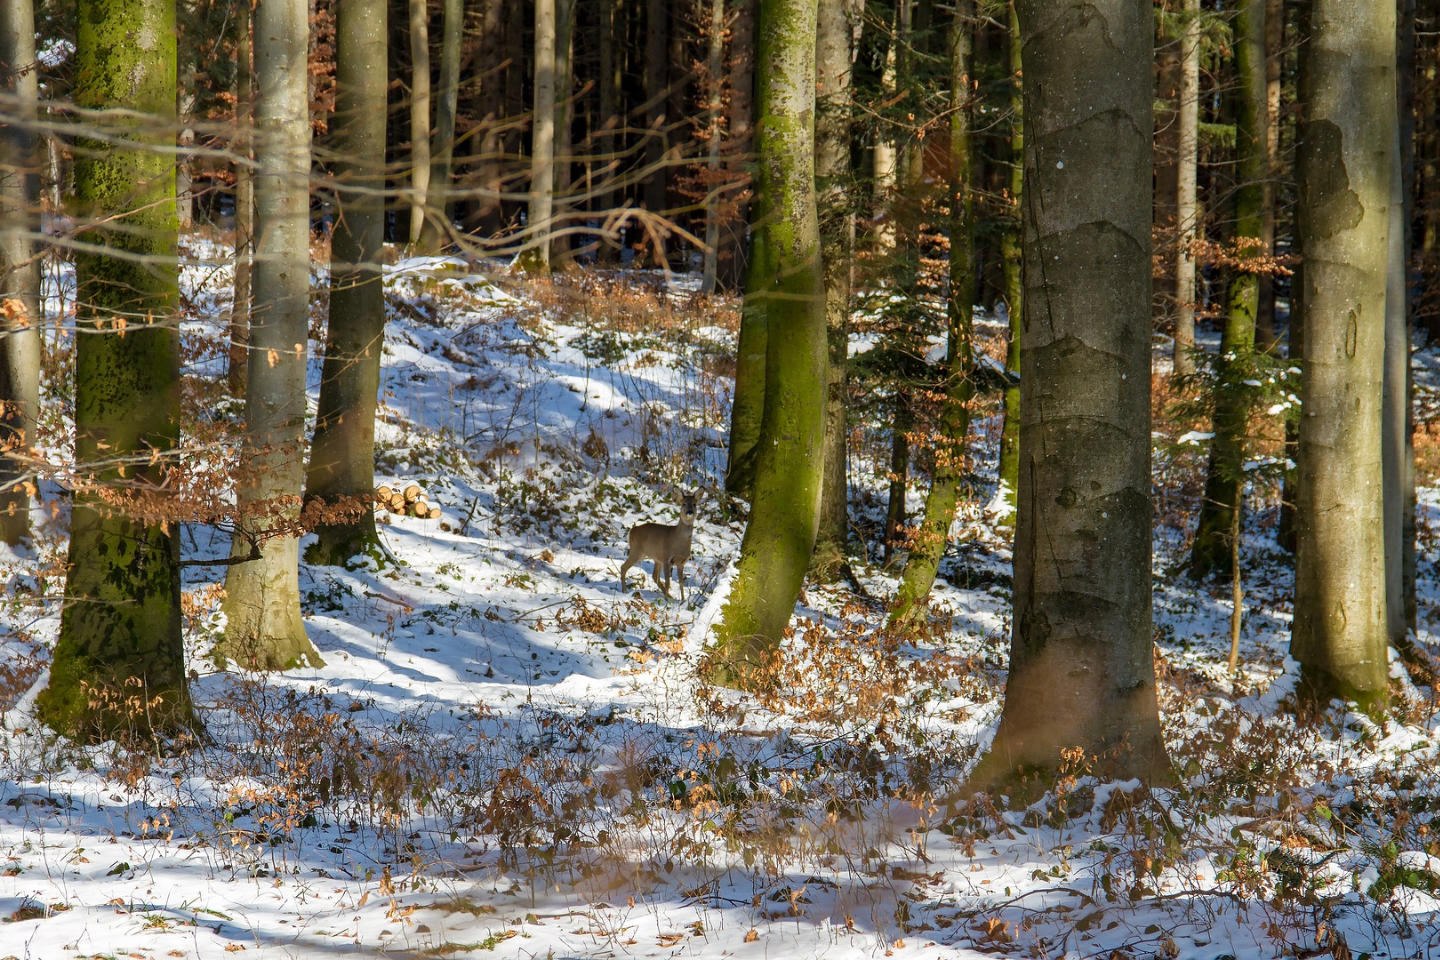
(505, 752)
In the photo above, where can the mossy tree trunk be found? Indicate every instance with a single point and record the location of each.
(120, 633)
(1224, 482)
(535, 258)
(265, 629)
(1081, 667)
(1186, 215)
(1344, 173)
(342, 454)
(19, 267)
(786, 285)
(1011, 254)
(934, 532)
(837, 238)
(435, 232)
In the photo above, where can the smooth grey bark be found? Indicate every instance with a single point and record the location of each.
(435, 232)
(560, 245)
(1081, 660)
(833, 185)
(1345, 170)
(1397, 462)
(1405, 90)
(244, 201)
(265, 629)
(1186, 209)
(657, 77)
(535, 258)
(19, 263)
(419, 117)
(342, 454)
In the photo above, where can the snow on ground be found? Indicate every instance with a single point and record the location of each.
(505, 752)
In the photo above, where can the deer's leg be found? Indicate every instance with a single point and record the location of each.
(624, 569)
(680, 575)
(662, 565)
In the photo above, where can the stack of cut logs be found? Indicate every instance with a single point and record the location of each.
(409, 501)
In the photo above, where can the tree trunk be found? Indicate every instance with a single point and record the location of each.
(419, 117)
(884, 154)
(1186, 224)
(342, 455)
(1274, 167)
(657, 77)
(535, 257)
(715, 90)
(244, 203)
(435, 233)
(734, 235)
(837, 239)
(1405, 90)
(1394, 427)
(120, 634)
(19, 265)
(934, 533)
(489, 106)
(560, 246)
(1081, 660)
(1344, 172)
(610, 83)
(185, 134)
(900, 425)
(1011, 254)
(785, 284)
(1224, 482)
(266, 630)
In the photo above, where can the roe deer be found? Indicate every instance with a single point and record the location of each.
(666, 544)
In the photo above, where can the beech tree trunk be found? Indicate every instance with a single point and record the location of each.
(435, 233)
(1011, 255)
(787, 288)
(419, 117)
(934, 533)
(342, 454)
(1081, 660)
(1344, 168)
(120, 634)
(1275, 170)
(19, 265)
(535, 257)
(1186, 220)
(244, 202)
(837, 239)
(1211, 551)
(265, 629)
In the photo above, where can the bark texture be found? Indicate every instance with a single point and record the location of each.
(19, 265)
(244, 202)
(265, 630)
(786, 286)
(1186, 220)
(1081, 668)
(535, 258)
(342, 454)
(837, 239)
(1344, 169)
(419, 117)
(120, 634)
